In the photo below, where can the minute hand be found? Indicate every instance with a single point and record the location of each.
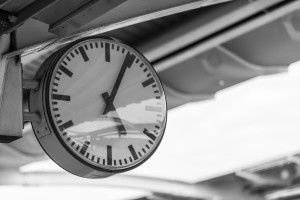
(126, 64)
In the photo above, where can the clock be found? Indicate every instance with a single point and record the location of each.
(102, 107)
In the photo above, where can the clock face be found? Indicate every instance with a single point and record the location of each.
(106, 104)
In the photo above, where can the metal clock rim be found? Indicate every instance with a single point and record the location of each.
(45, 95)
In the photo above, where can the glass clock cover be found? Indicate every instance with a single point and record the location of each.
(106, 104)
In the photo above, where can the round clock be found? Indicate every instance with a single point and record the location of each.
(102, 106)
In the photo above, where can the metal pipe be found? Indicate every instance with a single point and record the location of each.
(225, 36)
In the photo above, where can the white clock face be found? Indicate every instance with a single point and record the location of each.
(106, 104)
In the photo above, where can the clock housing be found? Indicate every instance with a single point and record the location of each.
(102, 106)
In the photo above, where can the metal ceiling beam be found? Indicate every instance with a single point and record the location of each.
(204, 24)
(3, 2)
(259, 180)
(289, 193)
(12, 21)
(129, 13)
(82, 16)
(229, 187)
(226, 35)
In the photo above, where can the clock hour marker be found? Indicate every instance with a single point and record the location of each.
(83, 54)
(109, 155)
(85, 147)
(61, 97)
(153, 108)
(148, 82)
(129, 59)
(66, 71)
(150, 135)
(107, 52)
(66, 125)
(133, 152)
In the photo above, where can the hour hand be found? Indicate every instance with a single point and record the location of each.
(110, 107)
(108, 103)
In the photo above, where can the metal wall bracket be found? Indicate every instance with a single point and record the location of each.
(11, 111)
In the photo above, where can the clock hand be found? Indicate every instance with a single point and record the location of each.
(120, 126)
(126, 64)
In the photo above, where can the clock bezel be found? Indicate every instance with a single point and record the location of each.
(47, 70)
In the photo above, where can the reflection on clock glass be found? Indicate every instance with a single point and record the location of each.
(107, 104)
